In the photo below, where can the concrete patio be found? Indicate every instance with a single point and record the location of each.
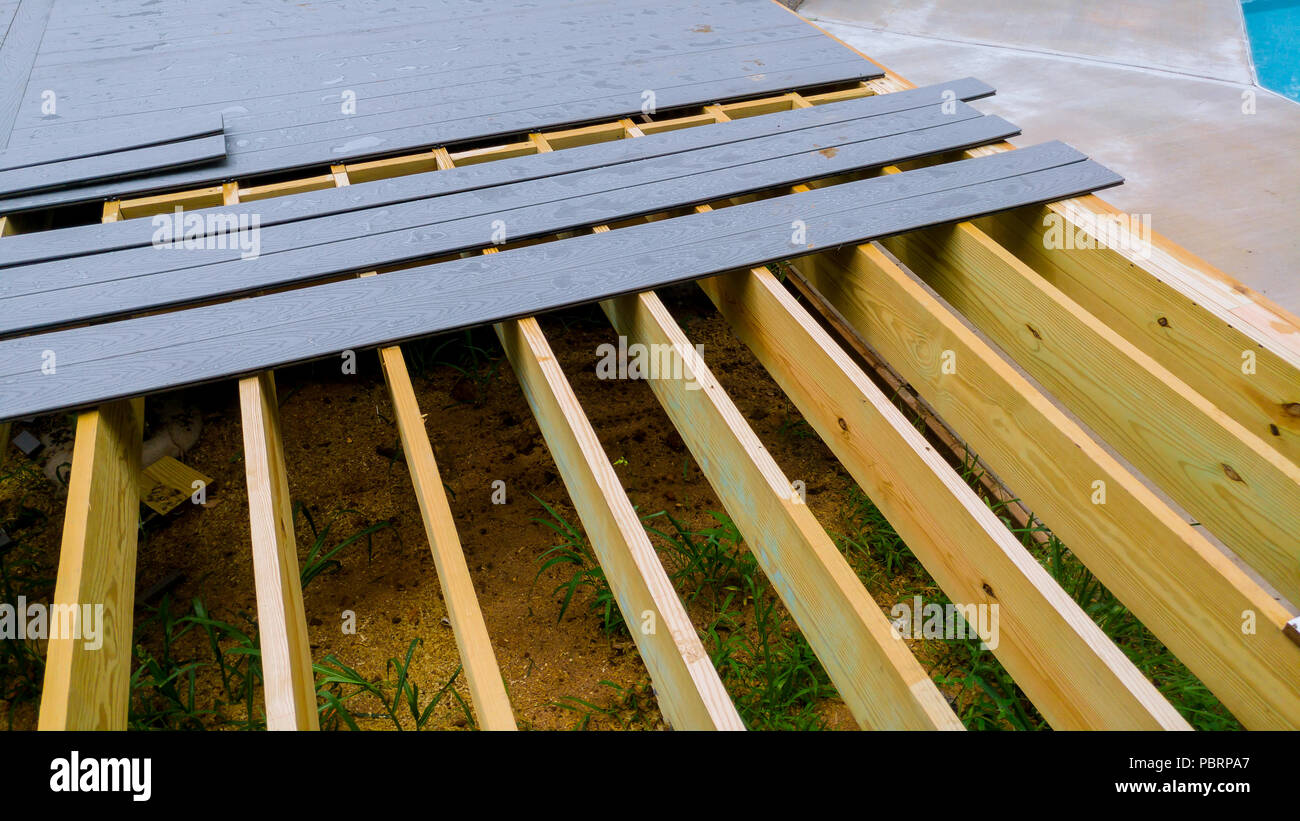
(1162, 91)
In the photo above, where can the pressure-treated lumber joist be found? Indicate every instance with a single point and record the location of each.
(1179, 311)
(689, 692)
(1191, 596)
(876, 675)
(491, 704)
(87, 687)
(1074, 674)
(290, 684)
(688, 688)
(84, 688)
(1241, 489)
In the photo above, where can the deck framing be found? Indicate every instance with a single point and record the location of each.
(1181, 585)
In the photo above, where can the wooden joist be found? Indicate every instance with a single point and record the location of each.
(689, 691)
(491, 704)
(1185, 320)
(88, 687)
(1182, 588)
(876, 675)
(487, 688)
(289, 682)
(1241, 489)
(1074, 675)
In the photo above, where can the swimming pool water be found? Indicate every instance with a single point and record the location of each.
(1274, 30)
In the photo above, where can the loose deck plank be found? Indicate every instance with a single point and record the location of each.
(267, 331)
(351, 242)
(116, 165)
(174, 128)
(99, 238)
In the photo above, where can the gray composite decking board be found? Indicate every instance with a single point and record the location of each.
(297, 71)
(365, 251)
(402, 103)
(111, 44)
(319, 230)
(18, 53)
(251, 133)
(598, 210)
(308, 155)
(172, 128)
(229, 57)
(253, 26)
(118, 165)
(139, 356)
(106, 237)
(581, 16)
(251, 94)
(377, 225)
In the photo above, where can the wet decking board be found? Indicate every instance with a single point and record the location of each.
(116, 165)
(359, 241)
(171, 128)
(421, 57)
(152, 353)
(42, 246)
(18, 53)
(552, 67)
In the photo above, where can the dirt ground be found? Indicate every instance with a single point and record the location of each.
(343, 454)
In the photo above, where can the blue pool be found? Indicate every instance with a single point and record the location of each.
(1274, 30)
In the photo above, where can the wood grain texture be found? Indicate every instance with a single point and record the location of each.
(99, 238)
(87, 687)
(1236, 485)
(1183, 588)
(1252, 381)
(289, 683)
(876, 675)
(18, 53)
(470, 93)
(687, 686)
(267, 331)
(491, 704)
(172, 129)
(1074, 674)
(116, 165)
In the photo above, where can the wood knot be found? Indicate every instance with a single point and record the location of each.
(1034, 331)
(1163, 322)
(1230, 473)
(1292, 409)
(989, 590)
(844, 426)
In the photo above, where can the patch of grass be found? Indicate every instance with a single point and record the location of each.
(398, 697)
(632, 708)
(320, 557)
(574, 550)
